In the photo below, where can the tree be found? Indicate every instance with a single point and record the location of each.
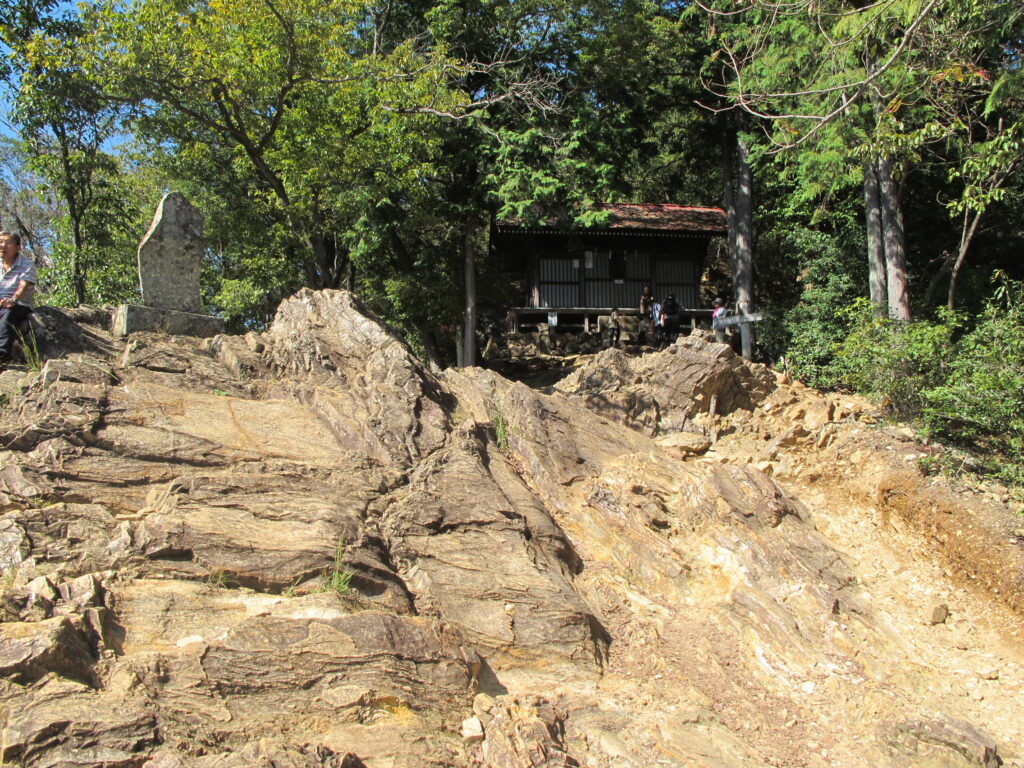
(288, 94)
(66, 125)
(25, 206)
(871, 80)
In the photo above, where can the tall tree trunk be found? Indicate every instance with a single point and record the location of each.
(77, 267)
(876, 249)
(321, 260)
(894, 243)
(729, 193)
(469, 317)
(744, 278)
(738, 194)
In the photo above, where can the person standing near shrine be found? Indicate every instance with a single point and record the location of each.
(614, 327)
(647, 321)
(17, 285)
(719, 313)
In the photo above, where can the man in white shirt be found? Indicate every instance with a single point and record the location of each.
(716, 316)
(17, 285)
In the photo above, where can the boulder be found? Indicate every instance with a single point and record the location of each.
(661, 392)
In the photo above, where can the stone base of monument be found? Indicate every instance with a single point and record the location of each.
(130, 318)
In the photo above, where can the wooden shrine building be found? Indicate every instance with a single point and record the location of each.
(578, 274)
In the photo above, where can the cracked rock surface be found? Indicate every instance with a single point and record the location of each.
(302, 548)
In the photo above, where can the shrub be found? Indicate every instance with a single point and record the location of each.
(981, 401)
(816, 323)
(895, 362)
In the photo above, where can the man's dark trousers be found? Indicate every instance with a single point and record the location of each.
(10, 318)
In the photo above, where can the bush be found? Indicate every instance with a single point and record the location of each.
(894, 362)
(981, 400)
(813, 325)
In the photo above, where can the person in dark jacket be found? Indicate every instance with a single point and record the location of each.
(647, 318)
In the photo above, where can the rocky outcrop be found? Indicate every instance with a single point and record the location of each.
(303, 548)
(662, 393)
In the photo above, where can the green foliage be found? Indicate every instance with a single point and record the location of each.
(66, 125)
(960, 379)
(25, 200)
(894, 362)
(980, 401)
(809, 276)
(286, 101)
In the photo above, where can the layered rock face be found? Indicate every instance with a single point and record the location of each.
(302, 548)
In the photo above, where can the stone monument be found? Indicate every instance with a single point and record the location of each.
(170, 263)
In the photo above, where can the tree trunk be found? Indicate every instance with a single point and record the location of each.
(966, 235)
(876, 249)
(739, 205)
(744, 276)
(893, 239)
(77, 268)
(75, 213)
(469, 317)
(729, 194)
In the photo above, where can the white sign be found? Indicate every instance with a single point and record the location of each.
(575, 263)
(737, 319)
(552, 319)
(588, 258)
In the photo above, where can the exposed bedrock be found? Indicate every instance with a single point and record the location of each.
(303, 548)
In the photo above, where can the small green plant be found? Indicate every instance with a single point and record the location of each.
(500, 430)
(30, 350)
(292, 589)
(929, 465)
(339, 578)
(220, 392)
(217, 578)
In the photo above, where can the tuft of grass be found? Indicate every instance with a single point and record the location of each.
(30, 349)
(292, 589)
(217, 579)
(339, 578)
(501, 430)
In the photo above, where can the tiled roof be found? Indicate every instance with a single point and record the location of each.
(664, 216)
(650, 217)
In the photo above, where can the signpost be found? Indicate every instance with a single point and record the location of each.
(743, 321)
(739, 319)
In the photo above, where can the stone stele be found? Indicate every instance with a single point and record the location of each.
(171, 255)
(170, 262)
